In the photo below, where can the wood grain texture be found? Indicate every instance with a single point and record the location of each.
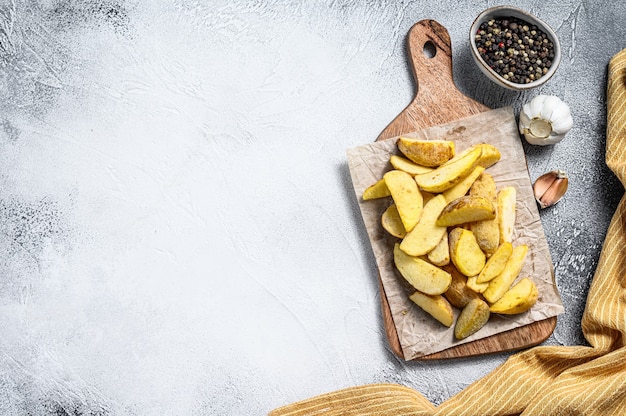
(438, 101)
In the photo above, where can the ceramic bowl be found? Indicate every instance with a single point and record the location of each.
(506, 11)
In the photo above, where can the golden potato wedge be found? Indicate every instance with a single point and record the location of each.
(466, 209)
(484, 186)
(422, 275)
(406, 196)
(496, 263)
(506, 211)
(459, 294)
(376, 190)
(436, 306)
(519, 298)
(404, 164)
(490, 155)
(447, 175)
(462, 187)
(472, 318)
(487, 232)
(440, 255)
(473, 284)
(392, 222)
(428, 153)
(502, 282)
(425, 236)
(465, 253)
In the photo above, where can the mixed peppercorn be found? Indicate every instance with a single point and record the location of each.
(518, 51)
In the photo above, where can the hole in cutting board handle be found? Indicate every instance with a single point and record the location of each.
(430, 50)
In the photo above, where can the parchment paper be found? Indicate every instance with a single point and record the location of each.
(419, 333)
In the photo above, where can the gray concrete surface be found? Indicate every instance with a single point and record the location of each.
(177, 223)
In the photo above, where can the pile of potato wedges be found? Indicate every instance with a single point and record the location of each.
(453, 233)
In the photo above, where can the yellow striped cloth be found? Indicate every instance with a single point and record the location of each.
(544, 380)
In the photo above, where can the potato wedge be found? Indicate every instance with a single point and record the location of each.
(472, 318)
(406, 196)
(490, 155)
(459, 294)
(487, 232)
(496, 263)
(502, 282)
(440, 255)
(462, 187)
(447, 175)
(475, 286)
(429, 153)
(519, 298)
(484, 186)
(376, 190)
(425, 236)
(465, 253)
(506, 211)
(466, 209)
(436, 306)
(404, 164)
(422, 275)
(392, 222)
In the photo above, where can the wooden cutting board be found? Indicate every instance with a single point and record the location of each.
(438, 101)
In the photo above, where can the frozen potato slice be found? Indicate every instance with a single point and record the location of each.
(502, 282)
(425, 236)
(472, 318)
(459, 293)
(447, 175)
(484, 186)
(422, 275)
(487, 232)
(490, 155)
(496, 263)
(377, 190)
(435, 305)
(404, 164)
(475, 286)
(406, 196)
(440, 255)
(392, 222)
(465, 253)
(462, 187)
(426, 152)
(520, 298)
(466, 209)
(506, 211)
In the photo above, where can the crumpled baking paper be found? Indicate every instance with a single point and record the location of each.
(419, 333)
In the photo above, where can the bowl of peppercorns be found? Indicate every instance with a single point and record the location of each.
(513, 48)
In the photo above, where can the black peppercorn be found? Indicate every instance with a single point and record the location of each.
(508, 38)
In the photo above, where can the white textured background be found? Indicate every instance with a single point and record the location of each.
(178, 229)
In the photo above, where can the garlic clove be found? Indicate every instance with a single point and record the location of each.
(550, 187)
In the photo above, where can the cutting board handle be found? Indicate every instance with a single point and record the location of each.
(430, 52)
(437, 99)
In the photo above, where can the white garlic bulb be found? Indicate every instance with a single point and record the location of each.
(545, 120)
